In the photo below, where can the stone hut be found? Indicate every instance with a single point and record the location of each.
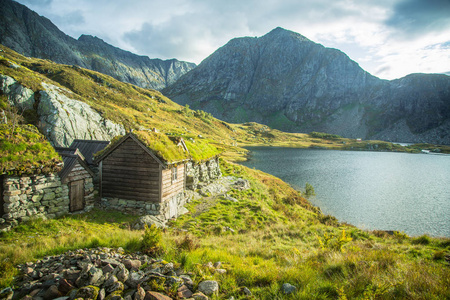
(144, 173)
(77, 175)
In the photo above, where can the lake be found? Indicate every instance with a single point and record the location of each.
(371, 190)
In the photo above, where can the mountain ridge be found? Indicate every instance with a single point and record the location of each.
(288, 82)
(24, 31)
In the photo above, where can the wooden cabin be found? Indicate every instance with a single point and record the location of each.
(78, 177)
(136, 178)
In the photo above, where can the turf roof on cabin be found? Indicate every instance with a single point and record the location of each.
(169, 149)
(25, 151)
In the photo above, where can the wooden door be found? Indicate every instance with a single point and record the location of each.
(2, 210)
(76, 191)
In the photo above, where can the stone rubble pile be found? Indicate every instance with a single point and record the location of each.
(107, 274)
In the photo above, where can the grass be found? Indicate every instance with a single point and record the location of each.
(24, 151)
(277, 238)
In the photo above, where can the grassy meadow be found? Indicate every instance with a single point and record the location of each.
(276, 237)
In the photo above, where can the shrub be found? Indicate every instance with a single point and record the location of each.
(421, 240)
(309, 190)
(151, 240)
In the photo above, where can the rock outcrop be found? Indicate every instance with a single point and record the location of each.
(32, 35)
(61, 118)
(290, 83)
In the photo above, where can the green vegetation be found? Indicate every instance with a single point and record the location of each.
(276, 237)
(24, 151)
(269, 236)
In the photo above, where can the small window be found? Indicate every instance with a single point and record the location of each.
(174, 174)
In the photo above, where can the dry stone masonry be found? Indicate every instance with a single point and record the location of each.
(40, 196)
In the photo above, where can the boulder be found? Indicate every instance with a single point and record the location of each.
(209, 287)
(288, 288)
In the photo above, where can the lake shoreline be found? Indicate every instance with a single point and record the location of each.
(370, 189)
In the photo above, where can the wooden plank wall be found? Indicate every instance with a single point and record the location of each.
(169, 188)
(78, 172)
(130, 173)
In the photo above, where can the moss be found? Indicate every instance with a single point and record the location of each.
(169, 149)
(24, 151)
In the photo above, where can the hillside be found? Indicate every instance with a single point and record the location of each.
(265, 238)
(54, 97)
(32, 35)
(288, 82)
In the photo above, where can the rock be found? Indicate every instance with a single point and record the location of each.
(6, 294)
(112, 284)
(220, 271)
(58, 114)
(18, 95)
(288, 288)
(134, 279)
(246, 291)
(156, 296)
(101, 294)
(208, 287)
(140, 294)
(148, 220)
(200, 296)
(184, 292)
(107, 269)
(64, 286)
(121, 273)
(132, 264)
(52, 292)
(187, 281)
(88, 292)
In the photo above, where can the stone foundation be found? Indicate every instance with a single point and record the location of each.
(41, 196)
(134, 207)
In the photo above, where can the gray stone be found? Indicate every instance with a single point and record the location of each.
(208, 287)
(63, 119)
(121, 273)
(288, 288)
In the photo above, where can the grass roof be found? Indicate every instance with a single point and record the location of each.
(25, 151)
(168, 148)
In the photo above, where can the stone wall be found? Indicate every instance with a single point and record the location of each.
(41, 196)
(135, 207)
(201, 174)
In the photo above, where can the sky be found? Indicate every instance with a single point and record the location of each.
(387, 38)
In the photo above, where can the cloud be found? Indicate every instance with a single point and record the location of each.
(412, 18)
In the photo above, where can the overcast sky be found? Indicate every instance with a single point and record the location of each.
(388, 38)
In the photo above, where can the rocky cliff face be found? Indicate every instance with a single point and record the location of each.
(61, 119)
(32, 35)
(291, 83)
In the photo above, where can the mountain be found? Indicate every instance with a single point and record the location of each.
(288, 82)
(32, 35)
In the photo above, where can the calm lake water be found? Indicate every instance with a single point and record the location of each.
(371, 190)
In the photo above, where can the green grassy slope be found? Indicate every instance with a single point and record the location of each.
(277, 237)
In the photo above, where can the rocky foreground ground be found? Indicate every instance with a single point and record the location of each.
(104, 273)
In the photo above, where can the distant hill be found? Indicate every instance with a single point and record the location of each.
(290, 83)
(32, 35)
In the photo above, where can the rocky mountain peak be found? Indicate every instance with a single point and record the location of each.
(288, 82)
